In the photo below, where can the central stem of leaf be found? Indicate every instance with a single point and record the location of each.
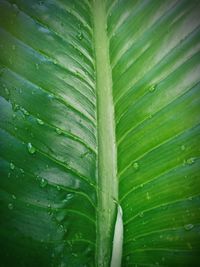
(107, 156)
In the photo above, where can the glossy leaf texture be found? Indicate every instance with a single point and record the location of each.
(154, 54)
(49, 131)
(48, 134)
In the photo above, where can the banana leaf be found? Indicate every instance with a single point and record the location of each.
(99, 133)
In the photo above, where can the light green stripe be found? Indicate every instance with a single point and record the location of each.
(107, 160)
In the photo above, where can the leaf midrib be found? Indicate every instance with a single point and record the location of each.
(107, 154)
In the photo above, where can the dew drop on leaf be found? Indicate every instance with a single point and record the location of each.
(13, 197)
(43, 182)
(182, 147)
(135, 165)
(10, 206)
(61, 228)
(148, 196)
(58, 187)
(37, 66)
(21, 170)
(12, 166)
(188, 227)
(80, 36)
(152, 88)
(141, 214)
(25, 112)
(190, 161)
(31, 148)
(58, 131)
(150, 116)
(40, 122)
(16, 107)
(68, 197)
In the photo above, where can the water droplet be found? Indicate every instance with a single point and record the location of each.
(50, 211)
(188, 227)
(150, 116)
(61, 228)
(31, 148)
(16, 107)
(58, 187)
(68, 197)
(51, 97)
(37, 66)
(148, 196)
(40, 122)
(190, 161)
(135, 165)
(10, 206)
(58, 131)
(21, 170)
(13, 197)
(25, 112)
(152, 88)
(182, 147)
(141, 214)
(43, 182)
(12, 166)
(80, 36)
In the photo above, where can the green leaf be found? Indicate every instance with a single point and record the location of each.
(99, 111)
